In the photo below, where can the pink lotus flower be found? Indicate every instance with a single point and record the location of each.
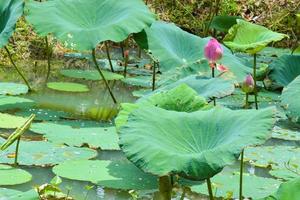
(213, 51)
(248, 84)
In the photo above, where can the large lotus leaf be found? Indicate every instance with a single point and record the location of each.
(96, 137)
(284, 173)
(290, 98)
(223, 23)
(10, 12)
(90, 74)
(205, 87)
(12, 102)
(18, 195)
(7, 172)
(67, 87)
(83, 24)
(227, 186)
(13, 89)
(250, 38)
(275, 156)
(181, 98)
(113, 174)
(175, 48)
(286, 133)
(287, 191)
(203, 142)
(285, 69)
(10, 121)
(42, 153)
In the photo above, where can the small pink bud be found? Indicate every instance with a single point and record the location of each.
(126, 53)
(222, 68)
(248, 85)
(213, 51)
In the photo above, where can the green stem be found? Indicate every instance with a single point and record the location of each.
(102, 76)
(210, 192)
(165, 188)
(241, 175)
(17, 151)
(48, 51)
(126, 57)
(213, 76)
(153, 76)
(183, 194)
(254, 77)
(108, 57)
(139, 52)
(247, 101)
(17, 69)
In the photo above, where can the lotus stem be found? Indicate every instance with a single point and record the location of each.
(183, 194)
(213, 76)
(49, 54)
(247, 101)
(126, 57)
(122, 49)
(153, 75)
(165, 188)
(17, 69)
(241, 175)
(17, 151)
(209, 187)
(103, 77)
(139, 52)
(254, 77)
(108, 56)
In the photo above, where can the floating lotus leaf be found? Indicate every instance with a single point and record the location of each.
(42, 153)
(275, 156)
(10, 121)
(285, 69)
(82, 24)
(111, 174)
(43, 114)
(68, 87)
(290, 98)
(96, 137)
(286, 133)
(90, 74)
(287, 191)
(205, 87)
(19, 176)
(13, 89)
(175, 48)
(203, 142)
(18, 195)
(141, 81)
(250, 38)
(10, 12)
(223, 23)
(181, 98)
(12, 102)
(284, 174)
(227, 186)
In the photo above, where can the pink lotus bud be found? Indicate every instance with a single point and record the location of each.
(248, 85)
(222, 68)
(126, 53)
(213, 50)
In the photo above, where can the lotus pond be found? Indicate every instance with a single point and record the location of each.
(138, 108)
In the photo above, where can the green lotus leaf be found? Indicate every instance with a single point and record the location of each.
(181, 98)
(67, 87)
(175, 48)
(82, 25)
(12, 102)
(290, 98)
(42, 153)
(250, 38)
(90, 74)
(275, 156)
(10, 12)
(285, 69)
(284, 174)
(297, 50)
(205, 87)
(227, 186)
(287, 191)
(223, 23)
(112, 174)
(203, 142)
(286, 133)
(10, 121)
(13, 89)
(19, 176)
(43, 114)
(18, 195)
(141, 81)
(95, 137)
